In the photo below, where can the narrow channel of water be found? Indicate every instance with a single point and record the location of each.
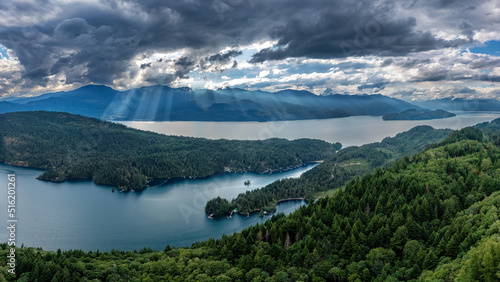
(83, 215)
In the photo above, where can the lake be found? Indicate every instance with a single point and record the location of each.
(83, 215)
(350, 131)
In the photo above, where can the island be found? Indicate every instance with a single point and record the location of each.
(413, 114)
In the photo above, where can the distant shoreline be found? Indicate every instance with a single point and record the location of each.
(161, 181)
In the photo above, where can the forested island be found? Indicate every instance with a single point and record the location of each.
(431, 216)
(76, 147)
(413, 114)
(333, 173)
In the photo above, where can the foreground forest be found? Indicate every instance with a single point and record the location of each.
(71, 147)
(431, 216)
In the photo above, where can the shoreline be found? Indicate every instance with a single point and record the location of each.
(258, 210)
(161, 181)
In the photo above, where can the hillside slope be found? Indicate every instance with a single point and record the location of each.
(71, 147)
(460, 104)
(333, 173)
(435, 215)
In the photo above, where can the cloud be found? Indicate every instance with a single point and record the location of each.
(378, 85)
(92, 42)
(120, 43)
(72, 28)
(344, 30)
(426, 75)
(264, 73)
(465, 90)
(224, 57)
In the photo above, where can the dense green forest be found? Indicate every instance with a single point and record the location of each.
(333, 173)
(71, 147)
(413, 114)
(432, 216)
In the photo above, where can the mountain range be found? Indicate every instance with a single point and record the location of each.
(460, 104)
(163, 103)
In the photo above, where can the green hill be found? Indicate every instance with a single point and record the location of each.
(333, 173)
(433, 216)
(413, 114)
(71, 147)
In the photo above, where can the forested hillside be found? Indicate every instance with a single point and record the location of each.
(333, 173)
(413, 114)
(71, 147)
(434, 215)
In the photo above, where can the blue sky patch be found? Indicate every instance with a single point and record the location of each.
(489, 48)
(3, 52)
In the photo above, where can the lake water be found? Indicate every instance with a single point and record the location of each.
(83, 215)
(350, 131)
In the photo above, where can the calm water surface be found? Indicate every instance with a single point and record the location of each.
(82, 215)
(350, 131)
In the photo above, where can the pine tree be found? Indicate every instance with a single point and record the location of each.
(430, 261)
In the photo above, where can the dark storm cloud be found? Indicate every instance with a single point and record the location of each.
(183, 66)
(465, 90)
(483, 62)
(224, 57)
(387, 62)
(410, 63)
(430, 75)
(445, 75)
(378, 85)
(71, 28)
(342, 30)
(219, 62)
(351, 65)
(96, 43)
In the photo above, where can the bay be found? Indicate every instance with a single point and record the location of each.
(83, 215)
(350, 131)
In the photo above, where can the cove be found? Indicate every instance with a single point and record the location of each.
(83, 215)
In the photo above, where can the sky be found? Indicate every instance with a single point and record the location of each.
(411, 49)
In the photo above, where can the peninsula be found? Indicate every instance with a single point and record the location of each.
(75, 147)
(413, 114)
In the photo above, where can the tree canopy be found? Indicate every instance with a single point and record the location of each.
(71, 147)
(432, 216)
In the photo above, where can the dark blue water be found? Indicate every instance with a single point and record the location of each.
(82, 215)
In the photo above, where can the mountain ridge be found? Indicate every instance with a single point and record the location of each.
(164, 103)
(460, 104)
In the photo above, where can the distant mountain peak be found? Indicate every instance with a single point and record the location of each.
(164, 103)
(93, 86)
